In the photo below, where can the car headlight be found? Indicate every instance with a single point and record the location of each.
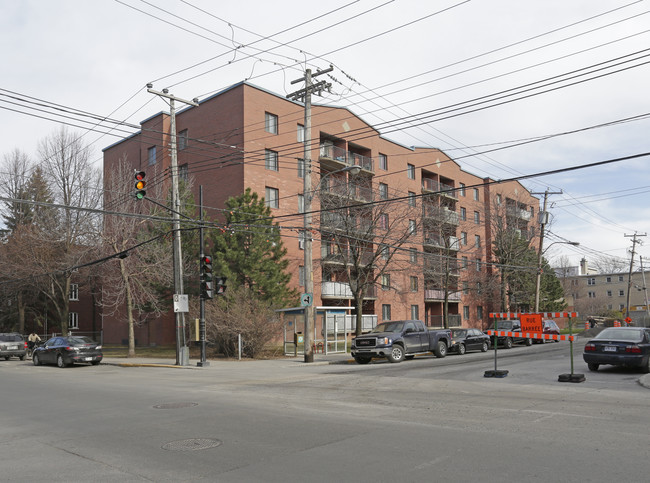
(98, 347)
(384, 341)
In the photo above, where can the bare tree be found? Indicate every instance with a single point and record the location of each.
(606, 264)
(363, 235)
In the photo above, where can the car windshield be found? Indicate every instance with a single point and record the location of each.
(458, 333)
(505, 324)
(10, 338)
(80, 340)
(626, 335)
(388, 327)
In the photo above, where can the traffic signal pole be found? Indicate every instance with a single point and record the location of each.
(203, 361)
(182, 351)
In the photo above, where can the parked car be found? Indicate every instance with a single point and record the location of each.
(12, 345)
(463, 340)
(65, 351)
(548, 327)
(619, 346)
(511, 326)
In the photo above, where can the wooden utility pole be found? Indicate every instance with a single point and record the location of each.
(543, 221)
(305, 94)
(629, 275)
(182, 351)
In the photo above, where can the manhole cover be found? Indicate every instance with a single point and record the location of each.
(193, 444)
(176, 405)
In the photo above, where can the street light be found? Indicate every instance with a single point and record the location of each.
(539, 267)
(309, 269)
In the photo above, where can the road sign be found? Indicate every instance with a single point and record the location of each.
(306, 299)
(181, 303)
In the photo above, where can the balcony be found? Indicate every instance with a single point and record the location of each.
(432, 186)
(441, 215)
(518, 213)
(346, 224)
(346, 191)
(438, 295)
(434, 271)
(340, 290)
(343, 257)
(340, 158)
(437, 241)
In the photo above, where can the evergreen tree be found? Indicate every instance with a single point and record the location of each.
(250, 252)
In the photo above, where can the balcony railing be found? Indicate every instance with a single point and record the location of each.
(434, 186)
(443, 215)
(438, 241)
(343, 290)
(453, 320)
(329, 151)
(332, 255)
(519, 213)
(438, 294)
(347, 190)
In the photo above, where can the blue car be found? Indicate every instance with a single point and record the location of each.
(619, 346)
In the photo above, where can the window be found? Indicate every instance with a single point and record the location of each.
(301, 168)
(608, 279)
(498, 199)
(384, 252)
(465, 288)
(591, 281)
(383, 162)
(271, 160)
(479, 288)
(477, 241)
(301, 276)
(73, 320)
(621, 306)
(610, 306)
(463, 263)
(410, 171)
(383, 221)
(609, 293)
(411, 198)
(413, 254)
(620, 278)
(478, 264)
(412, 228)
(301, 133)
(463, 214)
(151, 155)
(479, 312)
(477, 217)
(182, 140)
(183, 172)
(415, 312)
(272, 197)
(385, 281)
(74, 291)
(591, 295)
(621, 293)
(462, 189)
(466, 312)
(270, 123)
(463, 238)
(383, 191)
(414, 283)
(385, 312)
(475, 194)
(301, 203)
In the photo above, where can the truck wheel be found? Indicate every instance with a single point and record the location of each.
(396, 354)
(529, 342)
(441, 349)
(484, 347)
(507, 343)
(362, 359)
(461, 349)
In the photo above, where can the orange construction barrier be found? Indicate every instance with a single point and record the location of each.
(617, 323)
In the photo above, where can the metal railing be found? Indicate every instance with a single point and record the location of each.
(329, 151)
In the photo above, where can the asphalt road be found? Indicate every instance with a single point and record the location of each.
(283, 420)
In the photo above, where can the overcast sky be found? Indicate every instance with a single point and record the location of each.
(473, 78)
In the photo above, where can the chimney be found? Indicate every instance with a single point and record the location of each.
(583, 267)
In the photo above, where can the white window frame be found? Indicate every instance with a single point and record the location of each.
(385, 312)
(272, 197)
(271, 123)
(415, 312)
(410, 171)
(151, 155)
(383, 191)
(271, 160)
(73, 320)
(74, 291)
(383, 162)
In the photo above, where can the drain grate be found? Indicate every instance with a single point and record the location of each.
(176, 405)
(193, 444)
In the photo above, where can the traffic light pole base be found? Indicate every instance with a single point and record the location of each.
(203, 363)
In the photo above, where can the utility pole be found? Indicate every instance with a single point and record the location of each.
(543, 221)
(629, 275)
(305, 94)
(182, 351)
(645, 288)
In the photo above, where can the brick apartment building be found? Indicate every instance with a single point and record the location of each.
(246, 136)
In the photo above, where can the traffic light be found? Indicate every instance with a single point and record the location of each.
(206, 277)
(220, 283)
(140, 183)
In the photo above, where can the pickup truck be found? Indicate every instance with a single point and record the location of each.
(511, 326)
(398, 340)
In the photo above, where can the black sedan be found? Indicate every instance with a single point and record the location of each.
(463, 340)
(65, 351)
(619, 346)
